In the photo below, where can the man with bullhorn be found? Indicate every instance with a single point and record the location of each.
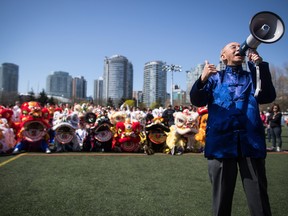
(235, 136)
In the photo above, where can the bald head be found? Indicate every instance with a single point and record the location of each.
(229, 45)
(230, 54)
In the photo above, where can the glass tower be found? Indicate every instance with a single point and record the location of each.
(191, 77)
(155, 84)
(9, 76)
(79, 87)
(117, 79)
(59, 84)
(98, 91)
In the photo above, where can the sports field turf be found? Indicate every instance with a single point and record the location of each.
(123, 184)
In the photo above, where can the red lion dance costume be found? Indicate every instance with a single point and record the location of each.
(7, 131)
(126, 138)
(33, 134)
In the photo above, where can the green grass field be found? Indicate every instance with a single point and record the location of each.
(123, 184)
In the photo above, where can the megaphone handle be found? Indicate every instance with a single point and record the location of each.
(258, 81)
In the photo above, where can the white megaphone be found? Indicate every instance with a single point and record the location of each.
(265, 27)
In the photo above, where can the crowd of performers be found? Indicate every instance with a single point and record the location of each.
(89, 128)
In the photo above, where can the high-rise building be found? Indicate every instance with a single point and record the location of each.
(191, 77)
(129, 80)
(138, 96)
(98, 91)
(155, 83)
(117, 79)
(9, 76)
(59, 84)
(179, 96)
(79, 87)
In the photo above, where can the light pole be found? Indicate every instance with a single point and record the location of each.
(172, 68)
(2, 96)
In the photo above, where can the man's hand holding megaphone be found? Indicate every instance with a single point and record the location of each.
(253, 56)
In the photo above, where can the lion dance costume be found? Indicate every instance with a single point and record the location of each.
(32, 135)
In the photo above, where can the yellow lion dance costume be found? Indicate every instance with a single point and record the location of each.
(201, 135)
(181, 135)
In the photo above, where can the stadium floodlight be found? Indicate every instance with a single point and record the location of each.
(171, 68)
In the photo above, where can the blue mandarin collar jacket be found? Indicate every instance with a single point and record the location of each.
(234, 128)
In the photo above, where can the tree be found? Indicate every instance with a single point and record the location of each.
(121, 102)
(155, 105)
(142, 105)
(51, 100)
(282, 92)
(110, 102)
(43, 98)
(31, 95)
(130, 103)
(8, 98)
(280, 81)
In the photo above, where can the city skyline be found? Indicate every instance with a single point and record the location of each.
(76, 36)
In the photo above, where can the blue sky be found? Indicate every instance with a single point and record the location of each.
(42, 36)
